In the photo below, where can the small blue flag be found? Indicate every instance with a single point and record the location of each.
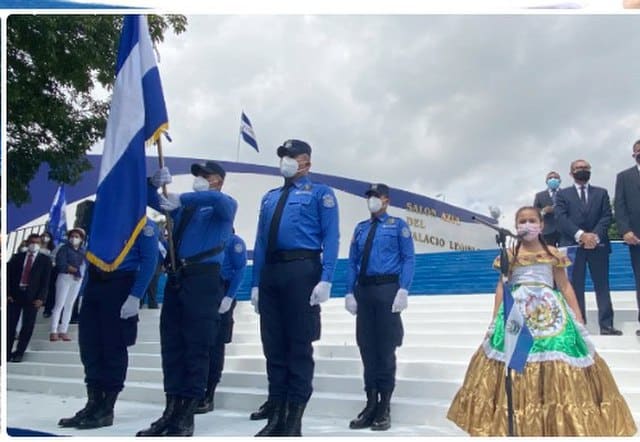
(248, 135)
(517, 337)
(57, 222)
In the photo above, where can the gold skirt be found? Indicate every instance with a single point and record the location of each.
(550, 398)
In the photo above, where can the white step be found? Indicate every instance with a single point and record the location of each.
(441, 334)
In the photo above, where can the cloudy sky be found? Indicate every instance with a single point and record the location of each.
(478, 108)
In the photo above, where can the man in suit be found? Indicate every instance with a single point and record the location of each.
(545, 201)
(27, 287)
(583, 215)
(627, 205)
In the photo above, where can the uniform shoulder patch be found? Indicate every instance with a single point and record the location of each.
(328, 201)
(238, 248)
(405, 232)
(148, 230)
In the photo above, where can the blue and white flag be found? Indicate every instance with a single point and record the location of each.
(570, 251)
(138, 116)
(517, 337)
(57, 222)
(248, 135)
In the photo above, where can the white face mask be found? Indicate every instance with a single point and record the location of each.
(46, 239)
(75, 241)
(23, 249)
(375, 204)
(288, 167)
(34, 247)
(200, 184)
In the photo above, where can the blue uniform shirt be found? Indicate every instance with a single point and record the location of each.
(235, 261)
(309, 221)
(391, 252)
(210, 226)
(142, 258)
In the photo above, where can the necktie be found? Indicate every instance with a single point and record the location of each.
(367, 248)
(583, 195)
(277, 216)
(24, 280)
(553, 196)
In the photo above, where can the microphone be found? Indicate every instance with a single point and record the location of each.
(502, 231)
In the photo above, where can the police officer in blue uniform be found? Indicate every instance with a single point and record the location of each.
(293, 263)
(379, 274)
(108, 325)
(189, 319)
(235, 261)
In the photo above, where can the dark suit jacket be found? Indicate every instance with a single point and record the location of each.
(627, 201)
(543, 199)
(38, 287)
(572, 216)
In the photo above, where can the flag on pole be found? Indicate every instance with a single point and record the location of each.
(517, 337)
(248, 135)
(137, 117)
(57, 222)
(570, 252)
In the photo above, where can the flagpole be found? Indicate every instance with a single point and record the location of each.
(239, 130)
(172, 252)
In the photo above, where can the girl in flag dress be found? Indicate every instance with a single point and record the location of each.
(566, 388)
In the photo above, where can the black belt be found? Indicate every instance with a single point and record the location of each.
(378, 279)
(292, 255)
(199, 269)
(108, 276)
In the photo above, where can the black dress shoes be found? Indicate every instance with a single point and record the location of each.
(15, 357)
(610, 331)
(637, 332)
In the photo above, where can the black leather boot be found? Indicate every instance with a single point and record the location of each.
(382, 420)
(103, 414)
(365, 417)
(94, 398)
(293, 425)
(205, 405)
(159, 426)
(277, 420)
(182, 422)
(262, 413)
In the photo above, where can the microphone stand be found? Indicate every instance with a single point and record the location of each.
(501, 240)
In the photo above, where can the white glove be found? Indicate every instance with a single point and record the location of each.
(130, 307)
(401, 301)
(170, 202)
(254, 299)
(321, 293)
(225, 305)
(350, 303)
(161, 177)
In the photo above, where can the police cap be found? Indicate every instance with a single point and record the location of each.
(293, 148)
(378, 190)
(208, 168)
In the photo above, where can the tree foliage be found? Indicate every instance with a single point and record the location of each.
(57, 69)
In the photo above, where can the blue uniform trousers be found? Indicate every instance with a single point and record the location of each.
(378, 333)
(103, 335)
(288, 326)
(189, 323)
(216, 353)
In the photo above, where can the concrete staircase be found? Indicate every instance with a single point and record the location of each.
(441, 333)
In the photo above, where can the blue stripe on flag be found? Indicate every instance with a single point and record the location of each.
(138, 115)
(156, 115)
(128, 39)
(247, 132)
(517, 337)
